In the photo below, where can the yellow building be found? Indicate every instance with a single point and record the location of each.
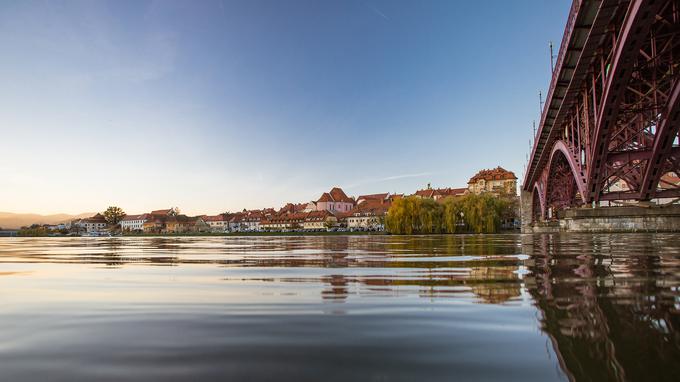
(496, 181)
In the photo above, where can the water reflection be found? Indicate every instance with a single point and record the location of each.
(474, 306)
(610, 303)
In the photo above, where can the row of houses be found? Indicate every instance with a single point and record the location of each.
(164, 221)
(96, 223)
(332, 210)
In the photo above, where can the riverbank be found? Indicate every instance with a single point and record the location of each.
(256, 234)
(338, 233)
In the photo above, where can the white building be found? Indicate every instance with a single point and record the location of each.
(246, 221)
(370, 214)
(217, 223)
(133, 222)
(96, 223)
(319, 220)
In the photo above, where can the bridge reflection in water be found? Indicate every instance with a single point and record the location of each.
(610, 303)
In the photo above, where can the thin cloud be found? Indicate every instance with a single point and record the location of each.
(394, 177)
(389, 178)
(377, 12)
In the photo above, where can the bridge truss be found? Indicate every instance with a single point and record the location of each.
(609, 129)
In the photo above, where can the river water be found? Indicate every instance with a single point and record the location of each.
(341, 308)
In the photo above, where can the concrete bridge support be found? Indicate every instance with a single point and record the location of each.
(525, 200)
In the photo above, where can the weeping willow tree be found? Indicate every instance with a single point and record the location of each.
(469, 213)
(415, 215)
(481, 213)
(453, 215)
(430, 215)
(402, 217)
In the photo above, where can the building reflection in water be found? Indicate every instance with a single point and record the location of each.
(609, 303)
(427, 266)
(337, 291)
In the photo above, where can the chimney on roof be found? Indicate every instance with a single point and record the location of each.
(429, 187)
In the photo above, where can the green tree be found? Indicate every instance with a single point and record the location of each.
(329, 223)
(33, 230)
(470, 213)
(430, 214)
(481, 214)
(113, 215)
(453, 215)
(414, 215)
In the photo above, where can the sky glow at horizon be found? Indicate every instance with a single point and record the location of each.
(217, 106)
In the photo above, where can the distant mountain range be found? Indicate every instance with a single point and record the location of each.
(9, 220)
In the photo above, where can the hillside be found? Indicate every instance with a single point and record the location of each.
(9, 220)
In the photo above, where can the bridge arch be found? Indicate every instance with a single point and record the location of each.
(574, 165)
(537, 204)
(564, 187)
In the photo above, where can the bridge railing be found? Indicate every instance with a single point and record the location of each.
(564, 45)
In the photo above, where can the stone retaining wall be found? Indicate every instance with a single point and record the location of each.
(611, 219)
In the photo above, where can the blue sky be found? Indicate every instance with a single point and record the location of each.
(223, 105)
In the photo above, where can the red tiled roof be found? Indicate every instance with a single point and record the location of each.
(179, 219)
(161, 212)
(440, 192)
(452, 191)
(317, 216)
(237, 217)
(371, 207)
(335, 195)
(98, 218)
(363, 198)
(325, 197)
(135, 217)
(290, 207)
(426, 193)
(216, 218)
(339, 195)
(498, 173)
(343, 215)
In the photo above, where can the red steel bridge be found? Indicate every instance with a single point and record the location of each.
(609, 127)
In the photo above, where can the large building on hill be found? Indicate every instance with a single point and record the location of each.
(496, 181)
(335, 201)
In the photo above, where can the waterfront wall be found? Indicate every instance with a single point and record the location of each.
(622, 219)
(612, 219)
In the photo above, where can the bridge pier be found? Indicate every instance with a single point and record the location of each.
(525, 210)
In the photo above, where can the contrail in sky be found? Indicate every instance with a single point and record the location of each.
(377, 12)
